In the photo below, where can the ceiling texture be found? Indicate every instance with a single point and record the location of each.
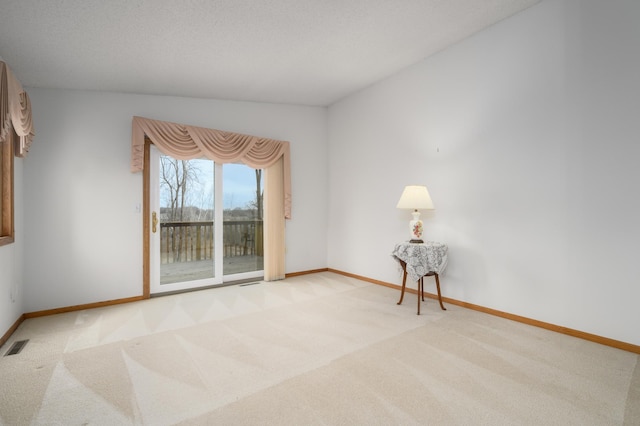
(307, 52)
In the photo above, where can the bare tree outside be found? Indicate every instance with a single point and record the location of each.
(253, 209)
(182, 193)
(176, 178)
(259, 193)
(184, 197)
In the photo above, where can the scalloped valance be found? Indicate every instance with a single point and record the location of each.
(185, 142)
(15, 110)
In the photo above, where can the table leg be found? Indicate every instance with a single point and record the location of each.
(404, 282)
(420, 292)
(439, 295)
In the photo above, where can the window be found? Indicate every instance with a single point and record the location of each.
(6, 189)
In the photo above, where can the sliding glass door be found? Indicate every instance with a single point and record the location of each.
(206, 223)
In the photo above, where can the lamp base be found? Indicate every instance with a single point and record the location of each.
(415, 228)
(416, 241)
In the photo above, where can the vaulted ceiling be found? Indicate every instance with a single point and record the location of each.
(309, 52)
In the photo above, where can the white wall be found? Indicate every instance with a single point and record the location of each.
(11, 262)
(527, 136)
(83, 234)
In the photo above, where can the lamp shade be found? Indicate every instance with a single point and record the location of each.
(415, 197)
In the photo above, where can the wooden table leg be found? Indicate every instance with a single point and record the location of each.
(404, 280)
(439, 295)
(420, 292)
(420, 287)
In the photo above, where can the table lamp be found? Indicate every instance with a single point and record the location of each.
(415, 197)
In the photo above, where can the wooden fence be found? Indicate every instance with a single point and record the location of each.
(193, 241)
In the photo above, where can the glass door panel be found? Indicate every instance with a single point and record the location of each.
(242, 230)
(184, 240)
(187, 189)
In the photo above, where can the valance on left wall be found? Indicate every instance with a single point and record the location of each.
(15, 110)
(186, 142)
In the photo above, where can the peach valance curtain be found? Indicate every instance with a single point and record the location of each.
(186, 142)
(15, 110)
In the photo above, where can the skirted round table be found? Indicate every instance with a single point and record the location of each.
(421, 260)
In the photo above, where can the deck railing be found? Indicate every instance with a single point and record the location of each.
(193, 241)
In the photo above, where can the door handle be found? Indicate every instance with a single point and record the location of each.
(154, 222)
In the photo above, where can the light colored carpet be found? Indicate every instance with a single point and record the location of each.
(319, 349)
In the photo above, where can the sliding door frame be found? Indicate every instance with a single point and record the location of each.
(146, 221)
(146, 229)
